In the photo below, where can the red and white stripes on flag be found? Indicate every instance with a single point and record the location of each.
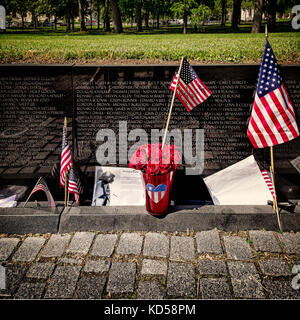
(191, 91)
(272, 119)
(42, 186)
(72, 187)
(66, 159)
(269, 183)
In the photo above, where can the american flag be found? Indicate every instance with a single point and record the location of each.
(191, 91)
(72, 187)
(66, 159)
(269, 183)
(272, 119)
(42, 186)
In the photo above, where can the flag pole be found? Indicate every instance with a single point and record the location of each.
(275, 204)
(172, 103)
(66, 178)
(31, 192)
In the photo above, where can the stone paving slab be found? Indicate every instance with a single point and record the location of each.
(151, 290)
(245, 280)
(130, 243)
(55, 246)
(63, 282)
(280, 289)
(215, 288)
(275, 268)
(154, 267)
(90, 287)
(182, 248)
(30, 290)
(215, 267)
(156, 245)
(181, 280)
(239, 269)
(7, 246)
(291, 242)
(104, 245)
(81, 242)
(249, 287)
(39, 270)
(208, 242)
(264, 241)
(237, 248)
(29, 249)
(97, 266)
(121, 277)
(14, 276)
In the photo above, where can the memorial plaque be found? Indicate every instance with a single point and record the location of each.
(140, 97)
(123, 101)
(33, 103)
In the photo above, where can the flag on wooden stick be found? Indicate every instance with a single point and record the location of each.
(42, 186)
(73, 187)
(66, 159)
(272, 119)
(267, 177)
(191, 91)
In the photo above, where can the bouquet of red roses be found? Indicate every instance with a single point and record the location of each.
(155, 160)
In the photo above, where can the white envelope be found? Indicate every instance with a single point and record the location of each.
(239, 184)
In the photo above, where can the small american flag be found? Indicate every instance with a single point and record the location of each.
(269, 183)
(272, 119)
(66, 159)
(191, 91)
(72, 187)
(42, 186)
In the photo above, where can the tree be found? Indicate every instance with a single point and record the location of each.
(81, 9)
(182, 9)
(236, 14)
(106, 16)
(138, 15)
(223, 18)
(200, 14)
(258, 11)
(271, 8)
(116, 16)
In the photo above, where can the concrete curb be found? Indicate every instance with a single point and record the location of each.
(21, 220)
(227, 218)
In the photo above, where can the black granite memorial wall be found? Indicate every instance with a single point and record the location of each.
(35, 99)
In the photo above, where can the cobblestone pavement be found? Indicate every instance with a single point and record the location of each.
(148, 265)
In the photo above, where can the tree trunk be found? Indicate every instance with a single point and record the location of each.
(116, 16)
(91, 17)
(157, 18)
(106, 16)
(98, 17)
(185, 22)
(147, 14)
(55, 23)
(271, 10)
(258, 11)
(138, 13)
(236, 14)
(81, 15)
(23, 22)
(68, 18)
(223, 20)
(34, 20)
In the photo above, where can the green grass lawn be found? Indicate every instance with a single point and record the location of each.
(149, 47)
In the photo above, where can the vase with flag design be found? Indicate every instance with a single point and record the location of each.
(157, 164)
